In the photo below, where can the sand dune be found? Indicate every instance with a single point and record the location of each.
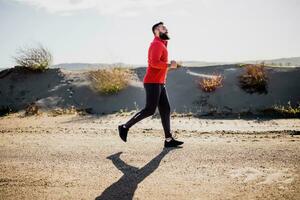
(62, 88)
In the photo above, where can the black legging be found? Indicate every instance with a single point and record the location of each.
(156, 95)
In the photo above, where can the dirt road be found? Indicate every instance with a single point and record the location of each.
(81, 157)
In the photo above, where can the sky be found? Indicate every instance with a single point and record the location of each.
(109, 31)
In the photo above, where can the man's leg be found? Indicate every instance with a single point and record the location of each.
(164, 111)
(153, 91)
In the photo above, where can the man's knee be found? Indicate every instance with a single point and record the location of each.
(149, 110)
(165, 109)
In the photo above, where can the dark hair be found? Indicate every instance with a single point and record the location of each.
(156, 25)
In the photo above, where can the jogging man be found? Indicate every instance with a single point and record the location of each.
(155, 86)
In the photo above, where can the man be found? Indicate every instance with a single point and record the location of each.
(154, 83)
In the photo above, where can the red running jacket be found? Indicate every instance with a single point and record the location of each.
(157, 62)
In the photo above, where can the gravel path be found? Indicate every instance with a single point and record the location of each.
(81, 157)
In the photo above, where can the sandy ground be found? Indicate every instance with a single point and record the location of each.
(82, 157)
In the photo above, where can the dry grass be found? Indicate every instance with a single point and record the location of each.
(32, 109)
(34, 58)
(254, 78)
(110, 80)
(211, 84)
(63, 111)
(187, 114)
(71, 110)
(284, 110)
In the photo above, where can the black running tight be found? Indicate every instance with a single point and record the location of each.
(156, 96)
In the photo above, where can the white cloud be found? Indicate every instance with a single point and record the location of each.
(104, 7)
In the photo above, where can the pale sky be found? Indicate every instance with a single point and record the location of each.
(120, 30)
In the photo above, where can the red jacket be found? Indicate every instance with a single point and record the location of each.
(157, 62)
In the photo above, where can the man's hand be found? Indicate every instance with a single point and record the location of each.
(172, 65)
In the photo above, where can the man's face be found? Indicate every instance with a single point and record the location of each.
(163, 32)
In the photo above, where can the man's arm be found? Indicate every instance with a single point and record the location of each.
(155, 55)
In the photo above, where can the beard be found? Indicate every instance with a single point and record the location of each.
(164, 36)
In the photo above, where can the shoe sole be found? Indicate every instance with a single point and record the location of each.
(174, 146)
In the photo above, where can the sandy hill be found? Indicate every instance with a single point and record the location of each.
(62, 88)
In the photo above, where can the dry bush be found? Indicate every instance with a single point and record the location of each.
(32, 109)
(283, 110)
(110, 80)
(187, 114)
(254, 78)
(63, 111)
(34, 58)
(211, 84)
(71, 110)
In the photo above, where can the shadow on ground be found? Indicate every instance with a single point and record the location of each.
(125, 187)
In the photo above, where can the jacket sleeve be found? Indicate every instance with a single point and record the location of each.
(155, 54)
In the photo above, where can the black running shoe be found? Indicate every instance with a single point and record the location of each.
(173, 143)
(123, 132)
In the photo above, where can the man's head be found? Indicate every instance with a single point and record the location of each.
(160, 30)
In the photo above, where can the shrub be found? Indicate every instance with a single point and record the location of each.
(63, 111)
(211, 84)
(284, 110)
(254, 79)
(32, 109)
(110, 80)
(70, 110)
(34, 58)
